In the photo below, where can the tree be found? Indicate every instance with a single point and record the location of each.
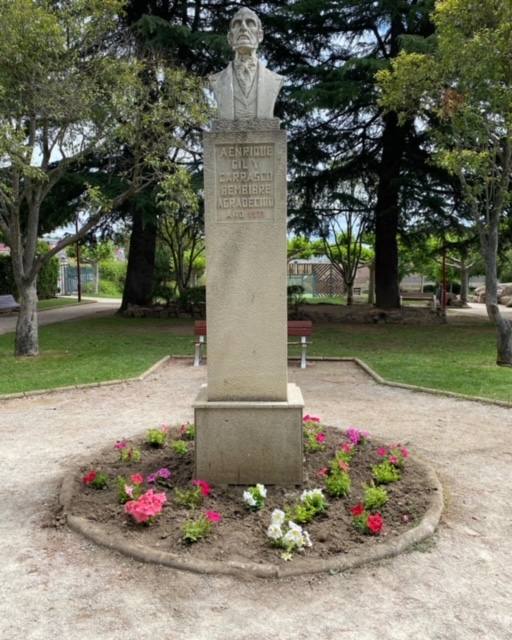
(64, 96)
(466, 83)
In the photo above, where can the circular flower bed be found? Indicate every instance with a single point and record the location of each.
(356, 494)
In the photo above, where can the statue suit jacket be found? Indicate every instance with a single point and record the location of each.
(268, 87)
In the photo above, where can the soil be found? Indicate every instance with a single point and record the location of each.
(241, 535)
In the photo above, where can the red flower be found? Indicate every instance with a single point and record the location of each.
(358, 510)
(137, 478)
(382, 451)
(308, 418)
(323, 472)
(347, 447)
(375, 523)
(89, 478)
(204, 487)
(393, 460)
(320, 438)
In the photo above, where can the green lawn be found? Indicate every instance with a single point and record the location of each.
(55, 303)
(447, 357)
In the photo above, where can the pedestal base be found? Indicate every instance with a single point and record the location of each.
(249, 442)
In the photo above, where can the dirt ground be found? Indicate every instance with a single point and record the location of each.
(54, 583)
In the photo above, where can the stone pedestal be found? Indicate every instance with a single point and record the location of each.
(249, 442)
(248, 419)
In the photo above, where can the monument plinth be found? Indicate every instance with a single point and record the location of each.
(248, 418)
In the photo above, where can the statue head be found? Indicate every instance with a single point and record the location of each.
(245, 31)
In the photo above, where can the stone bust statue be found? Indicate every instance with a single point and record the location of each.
(245, 88)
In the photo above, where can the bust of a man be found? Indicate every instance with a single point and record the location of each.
(245, 88)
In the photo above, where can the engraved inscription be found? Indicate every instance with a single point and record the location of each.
(244, 181)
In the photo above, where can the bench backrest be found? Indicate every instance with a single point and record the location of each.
(295, 328)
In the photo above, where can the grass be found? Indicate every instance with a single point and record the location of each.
(55, 303)
(446, 357)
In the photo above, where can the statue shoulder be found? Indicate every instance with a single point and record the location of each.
(271, 76)
(220, 76)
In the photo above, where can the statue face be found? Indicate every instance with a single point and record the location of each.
(245, 32)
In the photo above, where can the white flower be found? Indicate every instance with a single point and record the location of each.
(312, 493)
(293, 537)
(307, 539)
(277, 517)
(294, 526)
(274, 532)
(249, 498)
(261, 490)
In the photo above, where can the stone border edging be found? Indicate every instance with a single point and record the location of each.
(115, 542)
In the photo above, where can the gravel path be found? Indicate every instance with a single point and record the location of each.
(55, 584)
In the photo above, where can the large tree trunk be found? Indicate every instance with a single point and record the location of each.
(27, 339)
(350, 293)
(141, 262)
(371, 283)
(387, 214)
(489, 241)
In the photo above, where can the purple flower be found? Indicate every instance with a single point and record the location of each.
(151, 478)
(356, 436)
(163, 473)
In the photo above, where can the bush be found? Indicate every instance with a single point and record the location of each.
(192, 299)
(47, 281)
(112, 276)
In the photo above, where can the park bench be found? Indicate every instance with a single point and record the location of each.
(413, 296)
(302, 329)
(8, 303)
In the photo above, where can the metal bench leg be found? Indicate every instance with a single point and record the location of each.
(304, 345)
(197, 354)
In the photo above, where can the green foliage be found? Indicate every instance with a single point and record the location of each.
(189, 498)
(312, 440)
(193, 298)
(312, 504)
(374, 497)
(100, 481)
(46, 282)
(156, 438)
(112, 272)
(195, 530)
(179, 447)
(130, 455)
(124, 497)
(188, 431)
(385, 473)
(338, 484)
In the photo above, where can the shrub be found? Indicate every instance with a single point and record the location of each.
(180, 447)
(374, 497)
(338, 484)
(385, 473)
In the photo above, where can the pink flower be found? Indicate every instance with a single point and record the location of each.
(89, 478)
(120, 444)
(149, 505)
(204, 487)
(343, 466)
(405, 452)
(137, 478)
(151, 478)
(347, 447)
(128, 489)
(213, 516)
(323, 472)
(320, 438)
(164, 428)
(382, 451)
(393, 459)
(308, 418)
(354, 435)
(163, 473)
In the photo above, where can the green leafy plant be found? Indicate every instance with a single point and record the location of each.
(157, 437)
(129, 455)
(254, 497)
(338, 483)
(95, 480)
(180, 447)
(374, 497)
(312, 503)
(385, 473)
(314, 438)
(189, 498)
(194, 530)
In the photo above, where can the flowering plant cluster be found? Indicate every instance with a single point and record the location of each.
(157, 437)
(288, 535)
(194, 530)
(337, 477)
(356, 436)
(126, 453)
(95, 480)
(312, 503)
(191, 498)
(146, 507)
(133, 491)
(161, 474)
(314, 437)
(187, 431)
(366, 522)
(254, 497)
(180, 447)
(395, 454)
